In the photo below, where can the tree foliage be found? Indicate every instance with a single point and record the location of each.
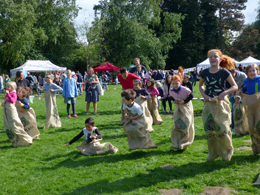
(128, 31)
(34, 29)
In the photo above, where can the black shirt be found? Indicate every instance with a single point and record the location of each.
(143, 92)
(82, 133)
(215, 83)
(23, 83)
(29, 78)
(188, 84)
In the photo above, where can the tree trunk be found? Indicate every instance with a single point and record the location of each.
(220, 29)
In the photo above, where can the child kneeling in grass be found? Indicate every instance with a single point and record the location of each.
(91, 145)
(135, 127)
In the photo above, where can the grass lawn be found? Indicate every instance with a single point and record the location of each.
(46, 167)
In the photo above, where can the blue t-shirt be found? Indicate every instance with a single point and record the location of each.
(251, 86)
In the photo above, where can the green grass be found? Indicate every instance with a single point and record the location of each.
(46, 167)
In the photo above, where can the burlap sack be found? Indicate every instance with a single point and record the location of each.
(157, 120)
(216, 117)
(123, 119)
(14, 127)
(240, 119)
(96, 148)
(52, 115)
(146, 113)
(252, 108)
(137, 135)
(183, 129)
(28, 118)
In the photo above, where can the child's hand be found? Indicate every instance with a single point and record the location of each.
(126, 116)
(143, 97)
(221, 96)
(66, 144)
(206, 97)
(52, 90)
(20, 103)
(238, 93)
(176, 102)
(7, 91)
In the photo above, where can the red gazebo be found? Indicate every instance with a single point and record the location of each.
(106, 67)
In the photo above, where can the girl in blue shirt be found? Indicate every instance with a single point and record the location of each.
(251, 101)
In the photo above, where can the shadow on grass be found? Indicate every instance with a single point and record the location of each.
(91, 113)
(71, 162)
(159, 175)
(63, 129)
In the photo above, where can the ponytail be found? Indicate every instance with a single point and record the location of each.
(180, 73)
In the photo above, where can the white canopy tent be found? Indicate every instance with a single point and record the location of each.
(249, 60)
(206, 64)
(37, 66)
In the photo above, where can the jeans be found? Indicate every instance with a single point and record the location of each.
(169, 99)
(105, 86)
(80, 89)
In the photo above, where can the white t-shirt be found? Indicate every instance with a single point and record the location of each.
(134, 109)
(89, 133)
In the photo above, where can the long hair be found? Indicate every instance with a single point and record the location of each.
(18, 75)
(152, 83)
(180, 73)
(166, 79)
(226, 61)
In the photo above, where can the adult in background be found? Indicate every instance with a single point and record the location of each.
(105, 80)
(171, 72)
(91, 90)
(159, 76)
(30, 79)
(79, 82)
(7, 79)
(139, 69)
(240, 67)
(1, 84)
(85, 76)
(126, 79)
(193, 75)
(20, 80)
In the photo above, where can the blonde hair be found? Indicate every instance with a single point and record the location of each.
(226, 61)
(12, 84)
(251, 66)
(49, 77)
(137, 59)
(158, 84)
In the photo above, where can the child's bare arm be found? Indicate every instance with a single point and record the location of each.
(66, 144)
(136, 117)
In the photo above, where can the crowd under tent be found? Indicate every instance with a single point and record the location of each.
(37, 66)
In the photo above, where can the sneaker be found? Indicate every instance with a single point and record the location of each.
(170, 111)
(164, 111)
(69, 116)
(74, 115)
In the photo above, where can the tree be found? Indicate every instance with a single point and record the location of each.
(230, 17)
(128, 31)
(34, 29)
(245, 44)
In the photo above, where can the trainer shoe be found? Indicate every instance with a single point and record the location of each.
(74, 115)
(69, 116)
(170, 111)
(164, 111)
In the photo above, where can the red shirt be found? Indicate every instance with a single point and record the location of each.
(128, 83)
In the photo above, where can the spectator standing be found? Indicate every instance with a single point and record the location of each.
(30, 79)
(79, 82)
(139, 69)
(1, 84)
(20, 80)
(105, 80)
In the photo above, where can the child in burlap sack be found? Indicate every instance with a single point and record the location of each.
(91, 145)
(152, 102)
(183, 130)
(216, 114)
(13, 125)
(141, 98)
(52, 115)
(135, 127)
(251, 100)
(26, 113)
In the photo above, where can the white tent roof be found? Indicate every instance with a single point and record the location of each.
(37, 66)
(249, 60)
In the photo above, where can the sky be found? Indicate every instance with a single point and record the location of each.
(87, 13)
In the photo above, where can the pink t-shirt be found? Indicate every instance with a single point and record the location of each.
(11, 97)
(153, 91)
(182, 95)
